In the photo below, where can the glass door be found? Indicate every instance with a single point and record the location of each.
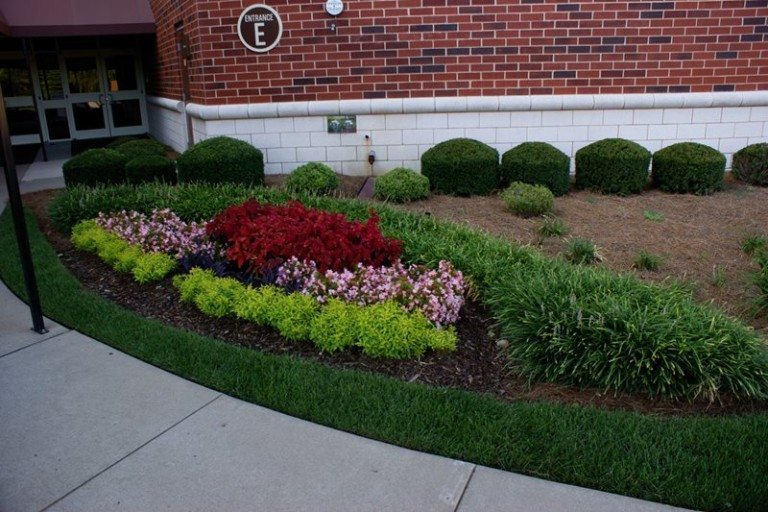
(126, 107)
(87, 97)
(49, 87)
(19, 104)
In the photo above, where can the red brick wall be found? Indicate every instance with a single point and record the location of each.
(418, 48)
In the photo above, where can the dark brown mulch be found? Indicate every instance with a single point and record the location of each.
(478, 365)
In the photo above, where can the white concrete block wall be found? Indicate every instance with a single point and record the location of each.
(399, 139)
(166, 122)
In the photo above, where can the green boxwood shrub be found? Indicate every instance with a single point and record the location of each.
(222, 160)
(401, 185)
(120, 141)
(688, 167)
(141, 147)
(750, 164)
(149, 168)
(461, 166)
(528, 200)
(312, 178)
(613, 166)
(95, 167)
(537, 163)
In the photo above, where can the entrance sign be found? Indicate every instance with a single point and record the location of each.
(334, 7)
(260, 28)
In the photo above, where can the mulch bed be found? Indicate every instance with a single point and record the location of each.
(479, 364)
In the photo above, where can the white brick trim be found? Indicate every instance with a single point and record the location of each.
(470, 104)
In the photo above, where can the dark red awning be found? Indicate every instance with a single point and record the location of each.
(47, 18)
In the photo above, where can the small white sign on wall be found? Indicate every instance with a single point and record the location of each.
(334, 7)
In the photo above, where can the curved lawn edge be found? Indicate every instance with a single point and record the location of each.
(701, 463)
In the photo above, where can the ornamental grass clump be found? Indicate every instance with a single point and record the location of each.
(585, 327)
(437, 294)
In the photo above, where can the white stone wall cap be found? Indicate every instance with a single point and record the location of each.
(354, 107)
(578, 102)
(419, 105)
(387, 106)
(451, 104)
(166, 103)
(324, 108)
(698, 100)
(546, 102)
(468, 104)
(514, 103)
(609, 101)
(482, 103)
(638, 101)
(202, 111)
(293, 109)
(261, 110)
(236, 111)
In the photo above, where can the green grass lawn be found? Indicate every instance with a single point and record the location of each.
(699, 462)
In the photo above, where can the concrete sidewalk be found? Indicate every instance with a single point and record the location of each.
(86, 428)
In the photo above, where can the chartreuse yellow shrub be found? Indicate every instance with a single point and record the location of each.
(381, 330)
(388, 331)
(152, 266)
(336, 327)
(119, 254)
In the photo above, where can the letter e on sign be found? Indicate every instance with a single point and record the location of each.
(259, 28)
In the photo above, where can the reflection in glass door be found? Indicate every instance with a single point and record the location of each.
(86, 96)
(51, 96)
(126, 111)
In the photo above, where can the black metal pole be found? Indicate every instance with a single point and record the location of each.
(22, 238)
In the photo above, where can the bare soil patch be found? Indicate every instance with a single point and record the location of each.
(699, 237)
(478, 365)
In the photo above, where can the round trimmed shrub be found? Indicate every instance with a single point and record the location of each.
(149, 168)
(613, 166)
(401, 185)
(141, 147)
(222, 160)
(95, 167)
(537, 163)
(528, 200)
(688, 168)
(461, 166)
(312, 178)
(750, 164)
(120, 141)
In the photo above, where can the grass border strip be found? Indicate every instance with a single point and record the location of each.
(702, 463)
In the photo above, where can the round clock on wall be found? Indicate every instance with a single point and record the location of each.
(334, 7)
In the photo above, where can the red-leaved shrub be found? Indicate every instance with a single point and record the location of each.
(260, 237)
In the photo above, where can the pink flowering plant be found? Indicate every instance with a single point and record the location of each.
(161, 231)
(437, 293)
